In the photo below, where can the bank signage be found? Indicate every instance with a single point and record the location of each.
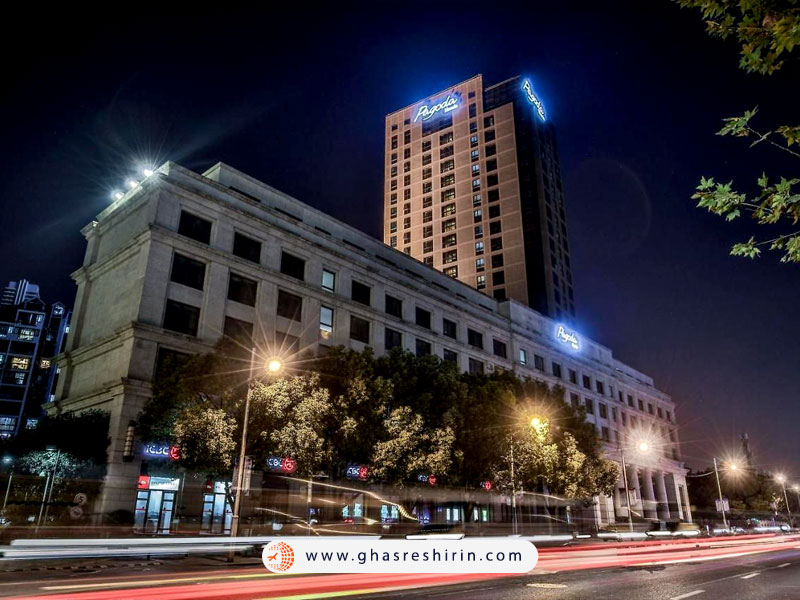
(569, 337)
(157, 450)
(357, 472)
(527, 87)
(426, 478)
(276, 464)
(442, 106)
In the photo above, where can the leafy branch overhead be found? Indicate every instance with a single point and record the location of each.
(767, 32)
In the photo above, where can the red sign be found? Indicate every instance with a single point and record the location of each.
(143, 483)
(174, 453)
(487, 485)
(432, 479)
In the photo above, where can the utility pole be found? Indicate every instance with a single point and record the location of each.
(627, 491)
(721, 501)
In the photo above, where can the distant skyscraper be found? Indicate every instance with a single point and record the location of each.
(473, 188)
(31, 334)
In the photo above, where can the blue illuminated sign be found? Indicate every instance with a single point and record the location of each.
(565, 336)
(533, 98)
(444, 106)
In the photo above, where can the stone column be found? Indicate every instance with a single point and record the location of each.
(685, 498)
(649, 500)
(661, 493)
(633, 484)
(675, 503)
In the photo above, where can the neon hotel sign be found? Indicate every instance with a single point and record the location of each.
(565, 336)
(533, 98)
(445, 105)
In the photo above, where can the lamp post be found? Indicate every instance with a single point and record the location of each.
(7, 460)
(782, 480)
(539, 425)
(273, 366)
(642, 447)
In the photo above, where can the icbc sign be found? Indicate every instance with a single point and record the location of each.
(487, 485)
(429, 479)
(277, 464)
(359, 472)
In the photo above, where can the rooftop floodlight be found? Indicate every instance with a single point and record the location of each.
(116, 195)
(132, 184)
(147, 172)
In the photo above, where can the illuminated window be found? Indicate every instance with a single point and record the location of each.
(19, 378)
(45, 364)
(448, 195)
(407, 208)
(446, 166)
(477, 215)
(393, 241)
(328, 280)
(481, 282)
(476, 184)
(451, 272)
(476, 169)
(480, 264)
(448, 180)
(523, 356)
(26, 334)
(450, 256)
(473, 141)
(449, 209)
(427, 246)
(449, 240)
(393, 212)
(446, 152)
(426, 145)
(393, 227)
(475, 154)
(325, 321)
(476, 199)
(478, 231)
(478, 247)
(20, 363)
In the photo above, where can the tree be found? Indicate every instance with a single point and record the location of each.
(767, 32)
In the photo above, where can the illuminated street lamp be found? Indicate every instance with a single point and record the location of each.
(7, 460)
(538, 424)
(781, 478)
(643, 446)
(273, 366)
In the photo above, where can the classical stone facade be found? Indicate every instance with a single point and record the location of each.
(183, 259)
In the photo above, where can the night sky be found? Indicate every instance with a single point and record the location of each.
(298, 101)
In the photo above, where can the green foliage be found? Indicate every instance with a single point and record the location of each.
(767, 32)
(402, 414)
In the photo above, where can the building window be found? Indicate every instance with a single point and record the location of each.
(394, 142)
(478, 231)
(576, 401)
(478, 247)
(393, 171)
(246, 248)
(394, 156)
(426, 145)
(287, 343)
(426, 159)
(427, 201)
(290, 306)
(448, 180)
(293, 266)
(450, 356)
(423, 318)
(475, 366)
(475, 338)
(427, 231)
(194, 227)
(476, 200)
(496, 244)
(325, 321)
(476, 170)
(181, 317)
(603, 410)
(473, 141)
(488, 136)
(241, 289)
(624, 419)
(449, 209)
(573, 376)
(448, 195)
(491, 165)
(494, 211)
(473, 110)
(650, 408)
(359, 329)
(427, 173)
(393, 184)
(448, 225)
(476, 184)
(488, 121)
(451, 272)
(393, 212)
(475, 154)
(614, 414)
(406, 222)
(187, 271)
(393, 198)
(473, 126)
(406, 167)
(427, 246)
(450, 256)
(423, 348)
(449, 328)
(480, 265)
(428, 260)
(660, 413)
(361, 293)
(491, 150)
(406, 179)
(394, 306)
(630, 400)
(447, 165)
(538, 362)
(477, 215)
(557, 370)
(446, 138)
(587, 382)
(589, 403)
(494, 227)
(238, 331)
(497, 261)
(393, 241)
(20, 363)
(604, 434)
(498, 293)
(499, 348)
(329, 279)
(523, 356)
(427, 187)
(600, 387)
(449, 240)
(480, 282)
(427, 216)
(641, 405)
(446, 152)
(498, 278)
(407, 137)
(392, 339)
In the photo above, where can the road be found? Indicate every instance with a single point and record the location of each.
(746, 569)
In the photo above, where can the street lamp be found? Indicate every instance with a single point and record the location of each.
(538, 424)
(719, 491)
(274, 365)
(644, 447)
(7, 460)
(782, 480)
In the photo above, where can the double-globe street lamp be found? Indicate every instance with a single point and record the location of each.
(273, 367)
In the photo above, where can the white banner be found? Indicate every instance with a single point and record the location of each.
(332, 555)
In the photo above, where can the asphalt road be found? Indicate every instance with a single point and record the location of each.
(769, 576)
